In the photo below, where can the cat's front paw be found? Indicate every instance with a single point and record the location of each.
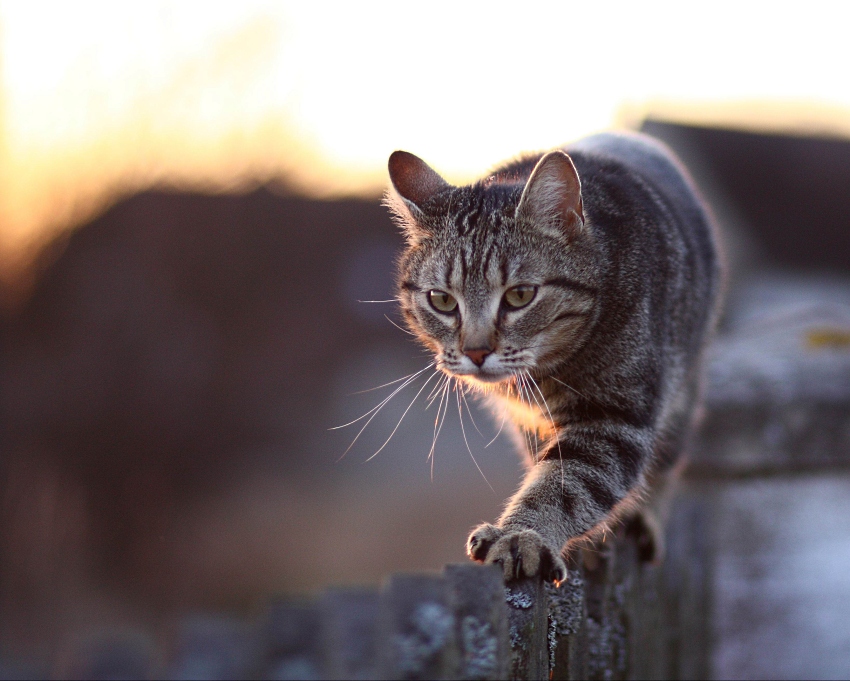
(482, 538)
(521, 553)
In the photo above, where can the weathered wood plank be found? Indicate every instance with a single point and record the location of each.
(417, 629)
(481, 618)
(350, 633)
(528, 614)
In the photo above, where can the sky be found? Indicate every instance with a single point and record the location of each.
(101, 99)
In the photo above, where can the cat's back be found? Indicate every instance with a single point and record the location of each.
(641, 156)
(648, 178)
(661, 240)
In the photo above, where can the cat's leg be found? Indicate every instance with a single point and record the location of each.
(563, 499)
(648, 523)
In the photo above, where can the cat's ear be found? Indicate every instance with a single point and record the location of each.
(413, 179)
(552, 196)
(414, 182)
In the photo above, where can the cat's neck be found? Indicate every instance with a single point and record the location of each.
(525, 405)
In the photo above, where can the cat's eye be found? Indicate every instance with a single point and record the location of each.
(520, 296)
(442, 301)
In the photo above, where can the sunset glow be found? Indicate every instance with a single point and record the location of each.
(100, 99)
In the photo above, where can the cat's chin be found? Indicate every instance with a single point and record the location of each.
(486, 379)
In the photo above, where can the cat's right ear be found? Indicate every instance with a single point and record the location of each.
(413, 179)
(414, 182)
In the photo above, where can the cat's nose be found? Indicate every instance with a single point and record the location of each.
(478, 355)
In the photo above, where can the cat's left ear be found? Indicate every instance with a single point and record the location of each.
(552, 196)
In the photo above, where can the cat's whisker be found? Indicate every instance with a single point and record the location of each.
(415, 397)
(510, 388)
(438, 428)
(557, 380)
(463, 430)
(407, 381)
(376, 411)
(552, 421)
(378, 387)
(582, 395)
(442, 394)
(399, 327)
(391, 300)
(436, 391)
(469, 409)
(544, 405)
(530, 438)
(501, 426)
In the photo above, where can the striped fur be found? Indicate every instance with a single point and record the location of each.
(603, 366)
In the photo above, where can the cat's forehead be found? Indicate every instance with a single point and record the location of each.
(477, 244)
(480, 206)
(477, 262)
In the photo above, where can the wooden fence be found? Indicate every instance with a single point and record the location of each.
(614, 618)
(778, 402)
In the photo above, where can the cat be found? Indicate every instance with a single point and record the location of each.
(577, 290)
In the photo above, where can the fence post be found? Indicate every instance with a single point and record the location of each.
(292, 641)
(350, 633)
(567, 625)
(417, 629)
(208, 647)
(528, 615)
(481, 618)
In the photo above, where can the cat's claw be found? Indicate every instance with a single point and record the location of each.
(520, 553)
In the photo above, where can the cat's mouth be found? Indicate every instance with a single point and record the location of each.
(493, 376)
(486, 373)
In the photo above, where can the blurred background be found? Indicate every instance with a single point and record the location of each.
(190, 225)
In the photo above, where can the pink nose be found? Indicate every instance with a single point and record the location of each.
(478, 356)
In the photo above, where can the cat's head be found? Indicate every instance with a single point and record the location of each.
(498, 276)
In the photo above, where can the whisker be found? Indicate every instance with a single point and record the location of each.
(532, 451)
(407, 382)
(409, 333)
(463, 394)
(437, 428)
(557, 380)
(511, 387)
(545, 404)
(463, 430)
(386, 442)
(552, 421)
(391, 300)
(376, 411)
(502, 425)
(580, 394)
(436, 391)
(378, 387)
(442, 395)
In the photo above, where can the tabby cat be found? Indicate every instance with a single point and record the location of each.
(577, 290)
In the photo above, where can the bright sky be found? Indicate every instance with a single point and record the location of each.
(100, 99)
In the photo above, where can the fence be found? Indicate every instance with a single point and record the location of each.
(778, 404)
(614, 618)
